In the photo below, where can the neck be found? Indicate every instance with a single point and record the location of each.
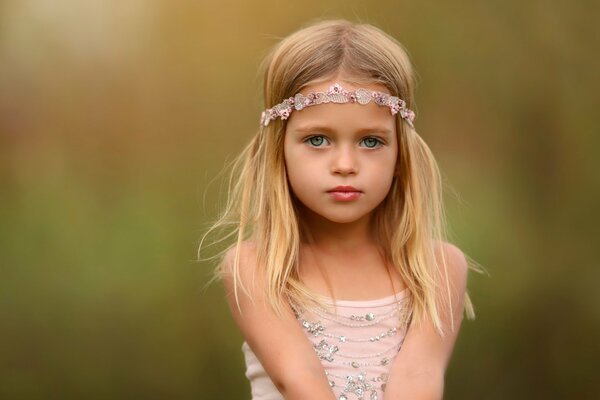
(336, 237)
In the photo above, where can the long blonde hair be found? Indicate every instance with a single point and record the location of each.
(260, 206)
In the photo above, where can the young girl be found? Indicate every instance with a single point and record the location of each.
(340, 278)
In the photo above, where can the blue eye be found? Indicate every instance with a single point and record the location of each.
(316, 141)
(372, 142)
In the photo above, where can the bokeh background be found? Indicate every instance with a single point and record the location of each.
(116, 118)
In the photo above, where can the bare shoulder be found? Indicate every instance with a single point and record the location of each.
(247, 253)
(456, 263)
(247, 261)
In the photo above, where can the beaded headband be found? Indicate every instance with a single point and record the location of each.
(336, 94)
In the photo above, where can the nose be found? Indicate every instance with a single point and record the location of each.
(344, 161)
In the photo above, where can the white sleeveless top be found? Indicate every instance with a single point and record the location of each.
(356, 347)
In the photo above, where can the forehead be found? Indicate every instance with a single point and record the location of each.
(346, 117)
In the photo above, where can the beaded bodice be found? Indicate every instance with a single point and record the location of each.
(356, 344)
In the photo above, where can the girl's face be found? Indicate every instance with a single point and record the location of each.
(330, 145)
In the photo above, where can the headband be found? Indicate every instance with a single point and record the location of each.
(336, 94)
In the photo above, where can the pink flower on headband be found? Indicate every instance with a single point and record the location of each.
(408, 115)
(335, 89)
(285, 113)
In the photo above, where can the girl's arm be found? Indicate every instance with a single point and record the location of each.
(419, 368)
(279, 343)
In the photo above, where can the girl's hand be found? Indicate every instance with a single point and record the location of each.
(419, 368)
(278, 342)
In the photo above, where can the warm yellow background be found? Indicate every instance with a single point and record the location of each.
(116, 115)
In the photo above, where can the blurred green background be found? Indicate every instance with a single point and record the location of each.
(117, 116)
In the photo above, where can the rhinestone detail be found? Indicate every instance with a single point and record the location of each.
(332, 347)
(336, 94)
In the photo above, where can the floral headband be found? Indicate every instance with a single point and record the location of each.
(336, 94)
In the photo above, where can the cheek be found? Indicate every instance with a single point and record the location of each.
(385, 174)
(393, 163)
(301, 175)
(294, 169)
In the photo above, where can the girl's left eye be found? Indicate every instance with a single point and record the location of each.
(372, 142)
(316, 141)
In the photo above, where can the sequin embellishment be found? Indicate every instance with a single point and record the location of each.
(341, 342)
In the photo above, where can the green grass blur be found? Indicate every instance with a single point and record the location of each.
(115, 118)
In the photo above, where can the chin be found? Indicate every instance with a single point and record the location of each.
(343, 220)
(343, 217)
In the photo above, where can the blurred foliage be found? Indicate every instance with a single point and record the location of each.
(115, 118)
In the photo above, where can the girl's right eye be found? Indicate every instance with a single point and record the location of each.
(316, 141)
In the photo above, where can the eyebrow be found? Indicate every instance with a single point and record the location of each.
(374, 129)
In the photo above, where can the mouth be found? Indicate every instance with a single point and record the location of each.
(344, 189)
(344, 193)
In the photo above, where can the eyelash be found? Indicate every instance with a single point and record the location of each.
(379, 141)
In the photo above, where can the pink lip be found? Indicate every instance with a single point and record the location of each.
(344, 189)
(345, 193)
(345, 196)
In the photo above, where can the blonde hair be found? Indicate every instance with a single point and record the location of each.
(261, 209)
